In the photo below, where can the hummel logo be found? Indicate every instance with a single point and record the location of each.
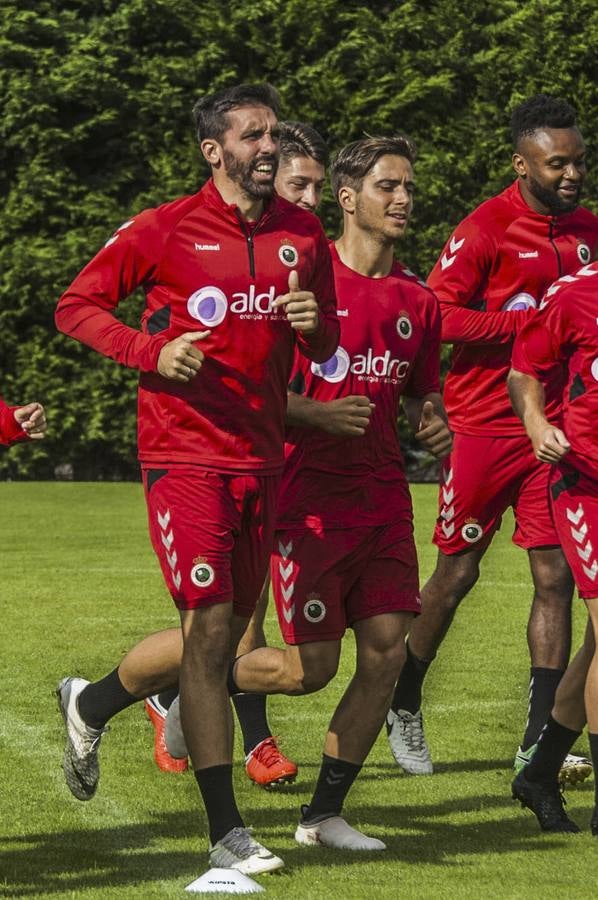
(446, 261)
(528, 254)
(342, 312)
(207, 246)
(333, 778)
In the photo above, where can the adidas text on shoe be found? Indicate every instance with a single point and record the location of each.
(238, 850)
(156, 713)
(267, 766)
(407, 741)
(545, 801)
(575, 769)
(80, 764)
(335, 832)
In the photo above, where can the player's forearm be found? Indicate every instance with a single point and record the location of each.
(463, 325)
(527, 399)
(321, 344)
(100, 329)
(303, 412)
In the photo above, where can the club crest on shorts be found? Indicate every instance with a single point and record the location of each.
(583, 252)
(202, 574)
(314, 610)
(404, 326)
(472, 531)
(288, 255)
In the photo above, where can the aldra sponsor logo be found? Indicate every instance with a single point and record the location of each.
(210, 305)
(367, 366)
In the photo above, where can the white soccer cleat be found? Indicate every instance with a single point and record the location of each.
(173, 731)
(575, 769)
(80, 764)
(336, 833)
(238, 850)
(407, 741)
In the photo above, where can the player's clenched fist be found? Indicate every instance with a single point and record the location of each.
(32, 419)
(301, 307)
(348, 416)
(179, 360)
(550, 443)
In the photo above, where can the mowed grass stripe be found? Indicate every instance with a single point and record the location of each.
(80, 585)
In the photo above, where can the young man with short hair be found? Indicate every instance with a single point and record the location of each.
(344, 552)
(235, 278)
(489, 279)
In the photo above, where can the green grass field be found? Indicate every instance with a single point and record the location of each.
(80, 585)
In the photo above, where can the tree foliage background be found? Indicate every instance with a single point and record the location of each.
(95, 125)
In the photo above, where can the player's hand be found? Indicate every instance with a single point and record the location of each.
(433, 432)
(300, 307)
(348, 416)
(32, 419)
(550, 443)
(179, 360)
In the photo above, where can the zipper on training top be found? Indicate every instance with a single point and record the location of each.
(551, 239)
(248, 234)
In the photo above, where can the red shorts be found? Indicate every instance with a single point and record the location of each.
(324, 581)
(480, 479)
(212, 532)
(575, 507)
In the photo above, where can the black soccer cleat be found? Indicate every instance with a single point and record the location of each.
(545, 801)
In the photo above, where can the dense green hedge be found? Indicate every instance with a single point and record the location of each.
(95, 125)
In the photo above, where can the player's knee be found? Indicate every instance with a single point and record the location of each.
(553, 584)
(385, 663)
(313, 676)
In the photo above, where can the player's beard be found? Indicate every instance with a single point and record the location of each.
(241, 173)
(549, 198)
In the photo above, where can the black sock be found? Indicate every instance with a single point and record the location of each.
(594, 754)
(101, 700)
(335, 779)
(231, 684)
(216, 786)
(165, 698)
(542, 689)
(251, 712)
(408, 692)
(554, 743)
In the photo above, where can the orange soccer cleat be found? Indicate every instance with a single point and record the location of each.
(156, 713)
(267, 766)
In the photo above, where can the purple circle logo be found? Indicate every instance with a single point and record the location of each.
(519, 302)
(335, 368)
(208, 305)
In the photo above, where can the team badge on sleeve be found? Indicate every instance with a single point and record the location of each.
(583, 252)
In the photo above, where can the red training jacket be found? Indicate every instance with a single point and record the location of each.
(202, 266)
(490, 277)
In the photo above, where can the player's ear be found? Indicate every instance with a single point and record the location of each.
(519, 164)
(212, 152)
(346, 199)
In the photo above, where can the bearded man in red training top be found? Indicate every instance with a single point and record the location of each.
(235, 278)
